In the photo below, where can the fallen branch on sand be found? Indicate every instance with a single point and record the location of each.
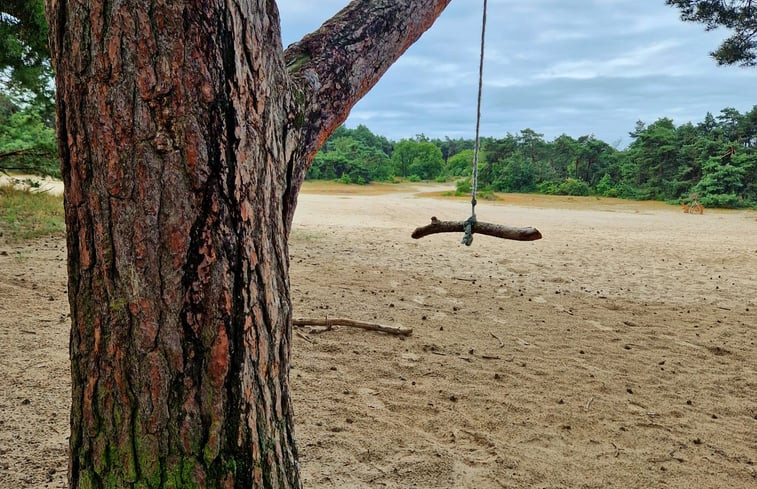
(501, 343)
(304, 337)
(489, 229)
(329, 322)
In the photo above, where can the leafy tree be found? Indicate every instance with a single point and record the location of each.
(721, 184)
(24, 54)
(496, 151)
(655, 154)
(638, 129)
(364, 135)
(517, 175)
(363, 161)
(749, 128)
(532, 144)
(740, 16)
(428, 162)
(461, 164)
(27, 143)
(708, 125)
(418, 157)
(328, 166)
(451, 147)
(357, 153)
(747, 161)
(692, 154)
(730, 124)
(564, 151)
(27, 137)
(571, 186)
(591, 159)
(663, 161)
(402, 157)
(605, 187)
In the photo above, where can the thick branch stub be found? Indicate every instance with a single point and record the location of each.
(337, 64)
(489, 229)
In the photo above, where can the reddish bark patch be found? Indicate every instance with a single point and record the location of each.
(219, 359)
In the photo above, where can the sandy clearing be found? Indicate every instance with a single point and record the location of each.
(619, 351)
(41, 184)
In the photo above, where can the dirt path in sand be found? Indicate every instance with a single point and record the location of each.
(617, 352)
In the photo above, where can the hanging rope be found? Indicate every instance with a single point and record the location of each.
(470, 225)
(471, 221)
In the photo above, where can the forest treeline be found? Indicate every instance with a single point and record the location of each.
(713, 161)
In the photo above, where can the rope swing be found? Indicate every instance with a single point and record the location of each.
(468, 237)
(471, 225)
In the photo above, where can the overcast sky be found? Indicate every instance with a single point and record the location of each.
(583, 67)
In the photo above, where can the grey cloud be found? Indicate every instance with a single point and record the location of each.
(554, 66)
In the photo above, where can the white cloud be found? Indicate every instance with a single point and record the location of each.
(655, 59)
(368, 115)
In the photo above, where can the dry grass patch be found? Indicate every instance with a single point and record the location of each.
(328, 187)
(26, 215)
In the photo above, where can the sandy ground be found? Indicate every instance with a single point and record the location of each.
(25, 182)
(617, 352)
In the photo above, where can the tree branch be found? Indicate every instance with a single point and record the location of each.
(496, 230)
(329, 322)
(337, 64)
(23, 152)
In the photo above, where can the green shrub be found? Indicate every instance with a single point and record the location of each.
(549, 188)
(626, 191)
(463, 186)
(487, 194)
(722, 200)
(571, 186)
(605, 188)
(413, 178)
(345, 179)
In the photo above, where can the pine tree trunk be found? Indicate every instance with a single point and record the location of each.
(175, 173)
(185, 131)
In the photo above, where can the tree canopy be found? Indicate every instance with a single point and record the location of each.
(27, 141)
(27, 135)
(24, 54)
(740, 16)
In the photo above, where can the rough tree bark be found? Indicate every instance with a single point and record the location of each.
(185, 133)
